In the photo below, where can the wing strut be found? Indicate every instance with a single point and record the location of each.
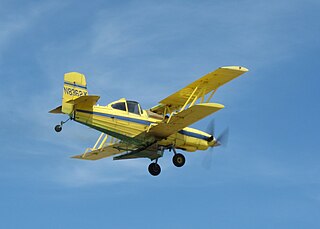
(187, 102)
(101, 142)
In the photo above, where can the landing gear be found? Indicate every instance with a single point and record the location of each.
(178, 160)
(58, 128)
(154, 169)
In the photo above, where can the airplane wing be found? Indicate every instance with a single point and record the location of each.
(133, 151)
(107, 151)
(150, 152)
(183, 119)
(204, 85)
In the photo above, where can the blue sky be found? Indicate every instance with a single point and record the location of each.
(267, 177)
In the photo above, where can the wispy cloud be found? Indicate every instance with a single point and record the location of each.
(18, 21)
(93, 173)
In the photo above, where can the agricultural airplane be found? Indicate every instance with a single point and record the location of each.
(129, 132)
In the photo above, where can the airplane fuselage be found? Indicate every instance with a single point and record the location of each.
(124, 125)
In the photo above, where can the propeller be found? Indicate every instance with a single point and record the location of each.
(221, 140)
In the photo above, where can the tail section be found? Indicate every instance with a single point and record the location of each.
(75, 86)
(75, 95)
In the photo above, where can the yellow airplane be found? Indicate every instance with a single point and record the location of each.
(129, 132)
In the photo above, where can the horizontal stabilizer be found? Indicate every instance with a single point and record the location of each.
(56, 110)
(83, 102)
(89, 100)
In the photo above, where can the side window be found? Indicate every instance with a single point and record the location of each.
(133, 107)
(119, 106)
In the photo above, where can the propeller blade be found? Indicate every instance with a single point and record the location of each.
(211, 127)
(207, 159)
(223, 137)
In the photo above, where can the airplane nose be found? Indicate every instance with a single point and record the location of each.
(217, 143)
(212, 142)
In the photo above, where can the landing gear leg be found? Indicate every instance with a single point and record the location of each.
(58, 128)
(154, 168)
(178, 159)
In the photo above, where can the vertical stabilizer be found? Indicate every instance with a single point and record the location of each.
(74, 87)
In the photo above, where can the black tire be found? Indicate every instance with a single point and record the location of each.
(178, 160)
(154, 169)
(58, 128)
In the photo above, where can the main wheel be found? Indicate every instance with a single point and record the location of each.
(154, 169)
(178, 160)
(58, 128)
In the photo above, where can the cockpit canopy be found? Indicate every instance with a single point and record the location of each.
(129, 106)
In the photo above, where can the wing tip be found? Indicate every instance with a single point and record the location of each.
(215, 105)
(237, 68)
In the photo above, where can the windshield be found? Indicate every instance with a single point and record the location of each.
(133, 107)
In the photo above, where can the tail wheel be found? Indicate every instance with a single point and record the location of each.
(178, 160)
(154, 169)
(58, 128)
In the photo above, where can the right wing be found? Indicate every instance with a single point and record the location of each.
(202, 86)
